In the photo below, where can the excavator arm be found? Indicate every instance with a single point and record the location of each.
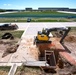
(65, 29)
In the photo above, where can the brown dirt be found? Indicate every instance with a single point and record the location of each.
(70, 44)
(29, 71)
(70, 38)
(3, 72)
(8, 46)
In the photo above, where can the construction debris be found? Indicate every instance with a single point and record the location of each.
(8, 46)
(7, 36)
(70, 70)
(10, 49)
(60, 63)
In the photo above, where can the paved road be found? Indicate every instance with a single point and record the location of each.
(7, 12)
(33, 28)
(23, 26)
(67, 12)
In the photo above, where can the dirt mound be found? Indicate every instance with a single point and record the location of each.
(10, 49)
(71, 38)
(8, 46)
(1, 42)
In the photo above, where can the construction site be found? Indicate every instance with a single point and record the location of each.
(42, 49)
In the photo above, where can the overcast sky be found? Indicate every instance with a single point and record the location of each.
(22, 4)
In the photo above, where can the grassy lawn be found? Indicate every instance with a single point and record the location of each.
(37, 20)
(38, 12)
(28, 71)
(4, 70)
(73, 31)
(16, 34)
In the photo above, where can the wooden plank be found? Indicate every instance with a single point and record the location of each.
(36, 63)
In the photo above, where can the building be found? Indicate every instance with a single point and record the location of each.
(51, 9)
(54, 9)
(28, 9)
(72, 10)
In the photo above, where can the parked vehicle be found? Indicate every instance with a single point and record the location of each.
(29, 20)
(8, 27)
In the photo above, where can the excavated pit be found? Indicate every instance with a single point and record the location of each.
(48, 47)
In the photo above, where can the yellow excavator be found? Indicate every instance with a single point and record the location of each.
(43, 36)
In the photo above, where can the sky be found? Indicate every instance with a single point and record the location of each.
(22, 4)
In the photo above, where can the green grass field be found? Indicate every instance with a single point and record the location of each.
(39, 12)
(6, 20)
(28, 71)
(38, 16)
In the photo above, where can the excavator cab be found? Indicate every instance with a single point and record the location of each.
(42, 36)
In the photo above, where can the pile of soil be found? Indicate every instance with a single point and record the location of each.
(10, 49)
(8, 46)
(71, 38)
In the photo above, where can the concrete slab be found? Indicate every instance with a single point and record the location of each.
(5, 59)
(22, 26)
(26, 51)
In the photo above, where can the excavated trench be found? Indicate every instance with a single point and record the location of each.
(63, 67)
